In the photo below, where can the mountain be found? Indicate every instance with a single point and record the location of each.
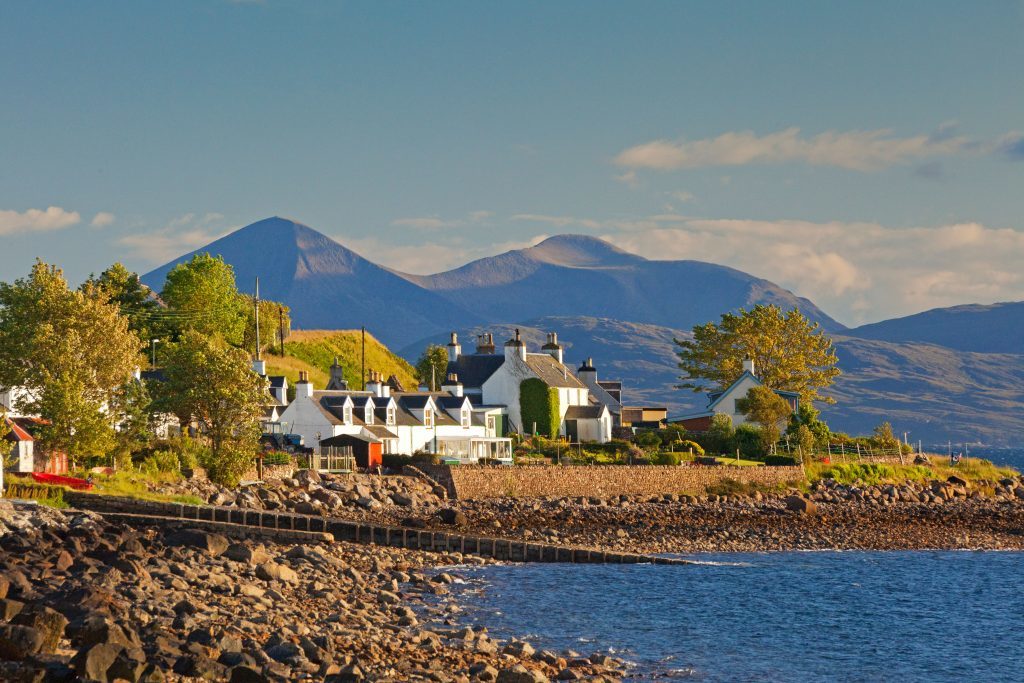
(998, 328)
(325, 284)
(576, 275)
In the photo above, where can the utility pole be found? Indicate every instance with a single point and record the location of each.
(280, 319)
(363, 369)
(257, 304)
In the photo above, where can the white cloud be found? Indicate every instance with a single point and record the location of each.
(179, 236)
(437, 223)
(857, 272)
(102, 219)
(682, 196)
(37, 220)
(858, 150)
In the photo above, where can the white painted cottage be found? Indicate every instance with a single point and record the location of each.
(724, 402)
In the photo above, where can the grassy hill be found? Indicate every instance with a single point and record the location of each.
(315, 350)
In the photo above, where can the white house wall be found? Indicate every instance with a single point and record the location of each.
(727, 404)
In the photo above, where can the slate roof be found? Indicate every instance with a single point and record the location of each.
(475, 369)
(584, 412)
(381, 432)
(551, 372)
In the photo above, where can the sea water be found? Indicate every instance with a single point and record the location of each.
(788, 616)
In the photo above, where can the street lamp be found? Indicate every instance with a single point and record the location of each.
(152, 346)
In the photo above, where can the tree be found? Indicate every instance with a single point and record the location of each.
(203, 297)
(432, 366)
(766, 408)
(789, 352)
(213, 383)
(806, 440)
(71, 351)
(883, 437)
(132, 403)
(134, 300)
(807, 416)
(718, 437)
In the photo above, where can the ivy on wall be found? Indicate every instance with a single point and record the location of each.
(538, 403)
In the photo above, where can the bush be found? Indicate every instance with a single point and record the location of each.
(228, 466)
(278, 458)
(747, 439)
(667, 458)
(647, 439)
(686, 446)
(160, 462)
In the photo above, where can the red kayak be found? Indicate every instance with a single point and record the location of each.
(57, 480)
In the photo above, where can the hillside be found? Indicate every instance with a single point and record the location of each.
(998, 328)
(326, 285)
(576, 275)
(315, 350)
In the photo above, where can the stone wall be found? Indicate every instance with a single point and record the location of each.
(540, 481)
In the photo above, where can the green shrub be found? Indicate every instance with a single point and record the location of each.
(160, 462)
(747, 439)
(538, 403)
(278, 458)
(668, 458)
(780, 461)
(647, 439)
(687, 446)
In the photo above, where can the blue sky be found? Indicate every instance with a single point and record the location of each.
(867, 155)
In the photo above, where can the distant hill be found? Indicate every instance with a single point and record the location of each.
(326, 285)
(933, 392)
(998, 328)
(576, 275)
(315, 350)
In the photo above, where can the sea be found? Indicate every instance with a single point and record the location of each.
(787, 616)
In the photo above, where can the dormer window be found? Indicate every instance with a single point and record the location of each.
(391, 415)
(428, 418)
(348, 415)
(368, 415)
(465, 418)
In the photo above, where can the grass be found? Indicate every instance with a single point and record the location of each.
(740, 463)
(136, 485)
(970, 469)
(315, 350)
(44, 494)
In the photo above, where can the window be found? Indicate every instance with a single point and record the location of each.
(348, 415)
(368, 415)
(465, 418)
(391, 415)
(491, 426)
(428, 418)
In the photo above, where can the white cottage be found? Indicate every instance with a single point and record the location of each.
(724, 402)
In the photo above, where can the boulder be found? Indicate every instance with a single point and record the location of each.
(246, 674)
(239, 552)
(306, 477)
(49, 622)
(801, 505)
(92, 663)
(957, 481)
(212, 544)
(10, 609)
(272, 571)
(520, 674)
(452, 516)
(19, 642)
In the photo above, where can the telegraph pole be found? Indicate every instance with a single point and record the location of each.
(280, 322)
(257, 303)
(363, 369)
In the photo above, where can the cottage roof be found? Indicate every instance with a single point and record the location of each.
(551, 372)
(381, 432)
(475, 369)
(584, 412)
(347, 439)
(17, 433)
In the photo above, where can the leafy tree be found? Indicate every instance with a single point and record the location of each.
(883, 437)
(72, 351)
(806, 440)
(718, 437)
(766, 408)
(6, 450)
(432, 366)
(807, 416)
(134, 300)
(789, 352)
(203, 297)
(212, 383)
(748, 440)
(132, 403)
(648, 439)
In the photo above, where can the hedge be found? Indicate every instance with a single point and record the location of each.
(538, 404)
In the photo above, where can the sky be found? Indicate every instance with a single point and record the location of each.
(867, 155)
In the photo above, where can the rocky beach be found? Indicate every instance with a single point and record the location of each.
(84, 599)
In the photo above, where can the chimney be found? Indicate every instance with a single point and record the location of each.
(485, 344)
(748, 366)
(303, 389)
(259, 366)
(375, 385)
(553, 347)
(337, 380)
(515, 347)
(453, 385)
(454, 349)
(587, 373)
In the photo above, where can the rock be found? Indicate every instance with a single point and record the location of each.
(519, 649)
(403, 499)
(19, 642)
(284, 652)
(49, 622)
(92, 663)
(246, 674)
(306, 477)
(520, 674)
(452, 516)
(801, 505)
(212, 544)
(273, 571)
(10, 609)
(956, 481)
(481, 671)
(307, 508)
(240, 552)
